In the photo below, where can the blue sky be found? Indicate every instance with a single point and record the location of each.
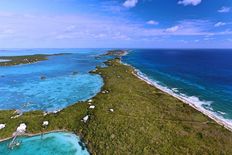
(116, 23)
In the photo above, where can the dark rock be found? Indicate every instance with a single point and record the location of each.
(43, 77)
(74, 73)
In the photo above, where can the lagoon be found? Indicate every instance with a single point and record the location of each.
(59, 143)
(52, 84)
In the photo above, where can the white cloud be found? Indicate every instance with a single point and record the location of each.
(226, 32)
(189, 2)
(208, 38)
(130, 3)
(120, 36)
(111, 6)
(193, 27)
(172, 29)
(218, 24)
(70, 28)
(7, 31)
(6, 14)
(183, 41)
(152, 22)
(224, 9)
(92, 30)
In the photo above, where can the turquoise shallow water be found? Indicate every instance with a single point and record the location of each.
(67, 80)
(59, 143)
(51, 94)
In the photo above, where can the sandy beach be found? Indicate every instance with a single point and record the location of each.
(198, 107)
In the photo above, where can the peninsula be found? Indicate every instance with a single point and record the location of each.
(129, 116)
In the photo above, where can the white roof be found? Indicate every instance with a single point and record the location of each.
(22, 128)
(2, 126)
(16, 116)
(92, 107)
(85, 119)
(45, 123)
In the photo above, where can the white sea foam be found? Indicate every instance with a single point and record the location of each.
(175, 90)
(193, 101)
(125, 53)
(222, 113)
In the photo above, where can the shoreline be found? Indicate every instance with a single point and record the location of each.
(37, 134)
(7, 61)
(207, 113)
(151, 117)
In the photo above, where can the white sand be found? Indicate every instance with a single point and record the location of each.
(192, 101)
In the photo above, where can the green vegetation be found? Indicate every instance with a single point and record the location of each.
(144, 121)
(117, 53)
(27, 59)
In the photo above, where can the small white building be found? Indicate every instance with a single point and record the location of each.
(105, 92)
(111, 110)
(21, 128)
(45, 123)
(2, 126)
(86, 118)
(92, 107)
(16, 116)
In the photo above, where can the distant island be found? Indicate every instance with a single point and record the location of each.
(128, 116)
(27, 59)
(117, 53)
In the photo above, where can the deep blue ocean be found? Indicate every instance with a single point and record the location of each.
(202, 76)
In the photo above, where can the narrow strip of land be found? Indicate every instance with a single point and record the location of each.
(130, 117)
(26, 59)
